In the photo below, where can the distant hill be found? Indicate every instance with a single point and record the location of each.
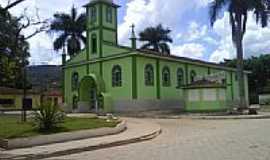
(44, 76)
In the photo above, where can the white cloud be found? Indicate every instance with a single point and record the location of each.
(41, 46)
(256, 40)
(144, 13)
(210, 40)
(195, 32)
(191, 50)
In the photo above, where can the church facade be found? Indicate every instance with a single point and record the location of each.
(108, 77)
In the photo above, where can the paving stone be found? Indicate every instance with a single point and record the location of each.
(188, 139)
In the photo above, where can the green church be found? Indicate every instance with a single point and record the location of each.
(107, 77)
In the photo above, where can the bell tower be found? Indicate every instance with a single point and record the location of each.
(101, 26)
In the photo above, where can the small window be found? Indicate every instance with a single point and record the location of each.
(180, 77)
(149, 75)
(192, 76)
(116, 76)
(7, 103)
(166, 78)
(75, 81)
(93, 15)
(109, 14)
(94, 43)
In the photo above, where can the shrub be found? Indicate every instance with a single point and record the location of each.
(48, 117)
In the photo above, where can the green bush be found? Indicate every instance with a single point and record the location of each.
(48, 117)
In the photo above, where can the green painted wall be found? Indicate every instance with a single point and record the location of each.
(81, 56)
(125, 91)
(97, 54)
(82, 70)
(109, 36)
(204, 105)
(93, 24)
(105, 31)
(145, 92)
(171, 92)
(114, 18)
(199, 70)
(109, 50)
(94, 68)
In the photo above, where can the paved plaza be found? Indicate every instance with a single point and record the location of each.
(188, 139)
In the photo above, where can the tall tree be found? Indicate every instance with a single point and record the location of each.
(14, 50)
(12, 4)
(259, 78)
(70, 29)
(157, 39)
(238, 10)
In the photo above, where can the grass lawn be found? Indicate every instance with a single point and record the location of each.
(12, 127)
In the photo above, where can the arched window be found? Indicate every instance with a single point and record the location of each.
(180, 77)
(93, 15)
(116, 76)
(149, 75)
(166, 78)
(75, 81)
(94, 43)
(192, 76)
(109, 14)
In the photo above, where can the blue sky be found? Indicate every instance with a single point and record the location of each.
(188, 19)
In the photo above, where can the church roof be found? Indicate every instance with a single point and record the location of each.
(178, 58)
(182, 58)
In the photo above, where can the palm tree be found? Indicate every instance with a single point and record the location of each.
(156, 39)
(70, 29)
(238, 10)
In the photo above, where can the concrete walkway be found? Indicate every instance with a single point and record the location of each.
(206, 116)
(137, 130)
(188, 139)
(261, 115)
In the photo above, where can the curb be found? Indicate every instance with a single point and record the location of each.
(146, 137)
(205, 117)
(61, 137)
(232, 118)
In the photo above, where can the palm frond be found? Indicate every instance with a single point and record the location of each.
(146, 46)
(215, 8)
(154, 36)
(70, 28)
(165, 48)
(73, 45)
(60, 41)
(73, 13)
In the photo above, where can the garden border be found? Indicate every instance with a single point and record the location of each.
(61, 137)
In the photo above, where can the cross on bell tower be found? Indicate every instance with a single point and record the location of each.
(133, 37)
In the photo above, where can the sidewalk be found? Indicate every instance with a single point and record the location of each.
(198, 116)
(137, 130)
(261, 115)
